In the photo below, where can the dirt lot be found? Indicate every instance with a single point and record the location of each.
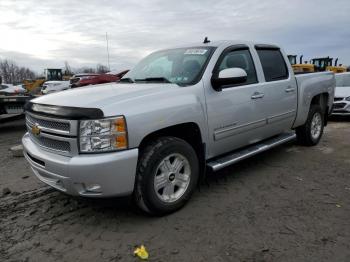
(289, 204)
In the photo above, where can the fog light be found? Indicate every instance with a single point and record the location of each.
(95, 188)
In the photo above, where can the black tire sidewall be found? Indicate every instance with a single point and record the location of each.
(150, 198)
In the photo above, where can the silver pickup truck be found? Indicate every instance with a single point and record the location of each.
(179, 113)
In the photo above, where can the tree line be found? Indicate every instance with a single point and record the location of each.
(11, 73)
(99, 69)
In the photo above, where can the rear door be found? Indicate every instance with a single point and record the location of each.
(235, 114)
(280, 88)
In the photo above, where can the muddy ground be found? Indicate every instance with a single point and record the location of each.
(288, 204)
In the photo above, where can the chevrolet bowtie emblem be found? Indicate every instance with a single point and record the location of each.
(36, 130)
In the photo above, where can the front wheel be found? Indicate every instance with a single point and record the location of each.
(167, 175)
(311, 132)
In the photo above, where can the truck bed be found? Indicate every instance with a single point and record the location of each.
(310, 85)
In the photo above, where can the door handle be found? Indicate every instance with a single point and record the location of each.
(290, 89)
(257, 95)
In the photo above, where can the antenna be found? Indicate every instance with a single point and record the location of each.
(109, 68)
(206, 40)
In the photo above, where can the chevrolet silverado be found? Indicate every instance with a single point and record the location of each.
(177, 114)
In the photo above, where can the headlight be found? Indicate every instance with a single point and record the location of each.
(103, 135)
(348, 98)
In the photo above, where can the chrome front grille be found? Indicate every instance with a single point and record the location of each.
(63, 146)
(53, 134)
(49, 124)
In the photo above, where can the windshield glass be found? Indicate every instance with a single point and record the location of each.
(182, 66)
(3, 87)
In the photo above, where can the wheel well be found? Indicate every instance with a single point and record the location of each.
(322, 101)
(189, 132)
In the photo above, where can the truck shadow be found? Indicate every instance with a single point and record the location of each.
(248, 167)
(12, 124)
(339, 118)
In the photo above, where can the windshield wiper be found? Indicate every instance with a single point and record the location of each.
(153, 79)
(126, 80)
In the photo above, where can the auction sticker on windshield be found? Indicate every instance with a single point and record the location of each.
(195, 51)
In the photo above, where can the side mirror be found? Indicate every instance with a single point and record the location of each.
(228, 76)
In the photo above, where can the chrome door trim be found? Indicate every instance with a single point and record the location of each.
(280, 117)
(234, 130)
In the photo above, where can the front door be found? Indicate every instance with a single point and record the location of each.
(235, 114)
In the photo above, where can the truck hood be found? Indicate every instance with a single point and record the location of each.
(342, 91)
(100, 96)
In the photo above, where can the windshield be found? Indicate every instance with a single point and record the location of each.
(182, 66)
(3, 87)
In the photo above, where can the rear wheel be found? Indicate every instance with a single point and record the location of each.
(311, 132)
(167, 175)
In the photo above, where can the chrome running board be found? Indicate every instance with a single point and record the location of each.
(249, 151)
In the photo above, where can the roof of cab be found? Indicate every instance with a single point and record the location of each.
(223, 43)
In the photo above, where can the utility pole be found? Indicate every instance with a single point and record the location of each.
(109, 68)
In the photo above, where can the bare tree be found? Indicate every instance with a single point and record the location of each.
(87, 70)
(13, 74)
(101, 69)
(67, 69)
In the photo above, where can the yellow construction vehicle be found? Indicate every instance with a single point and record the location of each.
(337, 68)
(33, 84)
(326, 64)
(51, 74)
(300, 68)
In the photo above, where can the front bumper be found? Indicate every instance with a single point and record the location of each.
(90, 175)
(341, 108)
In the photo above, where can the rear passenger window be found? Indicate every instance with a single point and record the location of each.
(241, 59)
(273, 64)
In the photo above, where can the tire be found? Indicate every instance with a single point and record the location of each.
(307, 135)
(157, 178)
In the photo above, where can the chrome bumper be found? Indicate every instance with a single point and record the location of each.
(90, 175)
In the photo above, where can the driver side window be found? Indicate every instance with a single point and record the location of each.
(241, 59)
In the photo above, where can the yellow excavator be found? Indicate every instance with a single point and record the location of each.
(51, 74)
(300, 68)
(326, 64)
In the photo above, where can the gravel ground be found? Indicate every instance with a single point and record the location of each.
(289, 204)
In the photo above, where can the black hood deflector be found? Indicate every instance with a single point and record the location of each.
(65, 112)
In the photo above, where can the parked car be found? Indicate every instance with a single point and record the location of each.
(76, 79)
(341, 104)
(54, 86)
(12, 99)
(177, 113)
(95, 79)
(9, 89)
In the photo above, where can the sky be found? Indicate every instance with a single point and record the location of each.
(40, 34)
